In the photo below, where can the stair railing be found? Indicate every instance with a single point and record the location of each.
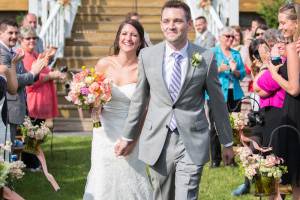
(57, 19)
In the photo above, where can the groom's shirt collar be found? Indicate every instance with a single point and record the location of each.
(182, 52)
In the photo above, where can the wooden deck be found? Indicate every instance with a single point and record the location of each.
(13, 5)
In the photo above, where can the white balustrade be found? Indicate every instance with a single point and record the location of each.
(57, 21)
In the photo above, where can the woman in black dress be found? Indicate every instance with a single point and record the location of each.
(288, 78)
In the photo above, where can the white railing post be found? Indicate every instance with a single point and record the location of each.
(57, 21)
(234, 12)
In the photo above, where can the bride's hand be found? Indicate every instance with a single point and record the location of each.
(124, 147)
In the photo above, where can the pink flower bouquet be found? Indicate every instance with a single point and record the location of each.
(89, 89)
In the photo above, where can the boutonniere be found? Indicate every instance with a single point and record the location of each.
(196, 59)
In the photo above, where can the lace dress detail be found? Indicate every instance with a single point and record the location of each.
(110, 177)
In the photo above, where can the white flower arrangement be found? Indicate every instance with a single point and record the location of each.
(196, 59)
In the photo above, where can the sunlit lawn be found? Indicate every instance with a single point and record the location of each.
(70, 164)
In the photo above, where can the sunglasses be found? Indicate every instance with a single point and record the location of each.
(30, 38)
(259, 34)
(229, 36)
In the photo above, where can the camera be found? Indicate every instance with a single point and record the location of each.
(276, 61)
(255, 118)
(63, 69)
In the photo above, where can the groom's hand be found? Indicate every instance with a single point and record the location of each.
(228, 155)
(123, 147)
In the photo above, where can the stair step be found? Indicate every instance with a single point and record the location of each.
(72, 124)
(86, 50)
(111, 27)
(120, 10)
(97, 18)
(84, 42)
(78, 62)
(121, 3)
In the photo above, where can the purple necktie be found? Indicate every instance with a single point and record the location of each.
(175, 85)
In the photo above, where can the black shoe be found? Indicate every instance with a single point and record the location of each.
(215, 164)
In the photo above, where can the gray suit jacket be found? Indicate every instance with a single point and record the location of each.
(188, 108)
(16, 103)
(208, 42)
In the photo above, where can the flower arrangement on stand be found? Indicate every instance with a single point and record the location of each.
(34, 136)
(9, 172)
(237, 123)
(266, 171)
(89, 89)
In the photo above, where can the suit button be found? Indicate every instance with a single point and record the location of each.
(173, 107)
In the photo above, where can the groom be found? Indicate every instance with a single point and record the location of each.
(175, 140)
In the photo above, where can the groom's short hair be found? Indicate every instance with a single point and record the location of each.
(178, 4)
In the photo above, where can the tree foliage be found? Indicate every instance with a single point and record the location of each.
(269, 11)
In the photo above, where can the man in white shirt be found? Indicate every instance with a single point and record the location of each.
(205, 38)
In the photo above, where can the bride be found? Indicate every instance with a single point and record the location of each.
(111, 177)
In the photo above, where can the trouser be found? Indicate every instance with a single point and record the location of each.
(174, 176)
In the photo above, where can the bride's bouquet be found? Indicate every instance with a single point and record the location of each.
(89, 89)
(34, 136)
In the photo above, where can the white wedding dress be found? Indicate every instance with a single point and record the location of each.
(110, 177)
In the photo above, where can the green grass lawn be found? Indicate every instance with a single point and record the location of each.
(70, 164)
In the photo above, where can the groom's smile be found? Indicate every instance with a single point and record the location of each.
(175, 26)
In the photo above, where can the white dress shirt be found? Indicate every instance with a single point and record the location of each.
(169, 62)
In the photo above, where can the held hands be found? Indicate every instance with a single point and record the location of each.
(123, 147)
(228, 155)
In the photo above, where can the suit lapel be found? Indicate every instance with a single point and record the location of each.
(159, 62)
(189, 72)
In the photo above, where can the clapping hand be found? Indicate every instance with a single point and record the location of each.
(223, 67)
(38, 65)
(18, 56)
(123, 147)
(232, 65)
(273, 68)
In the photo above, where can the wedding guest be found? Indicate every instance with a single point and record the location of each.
(30, 20)
(288, 78)
(271, 98)
(205, 38)
(15, 102)
(41, 96)
(260, 31)
(136, 16)
(231, 72)
(237, 43)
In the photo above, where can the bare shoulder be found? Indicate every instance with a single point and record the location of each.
(103, 64)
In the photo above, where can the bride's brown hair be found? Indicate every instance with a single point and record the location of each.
(140, 30)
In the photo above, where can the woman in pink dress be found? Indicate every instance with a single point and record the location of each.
(41, 96)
